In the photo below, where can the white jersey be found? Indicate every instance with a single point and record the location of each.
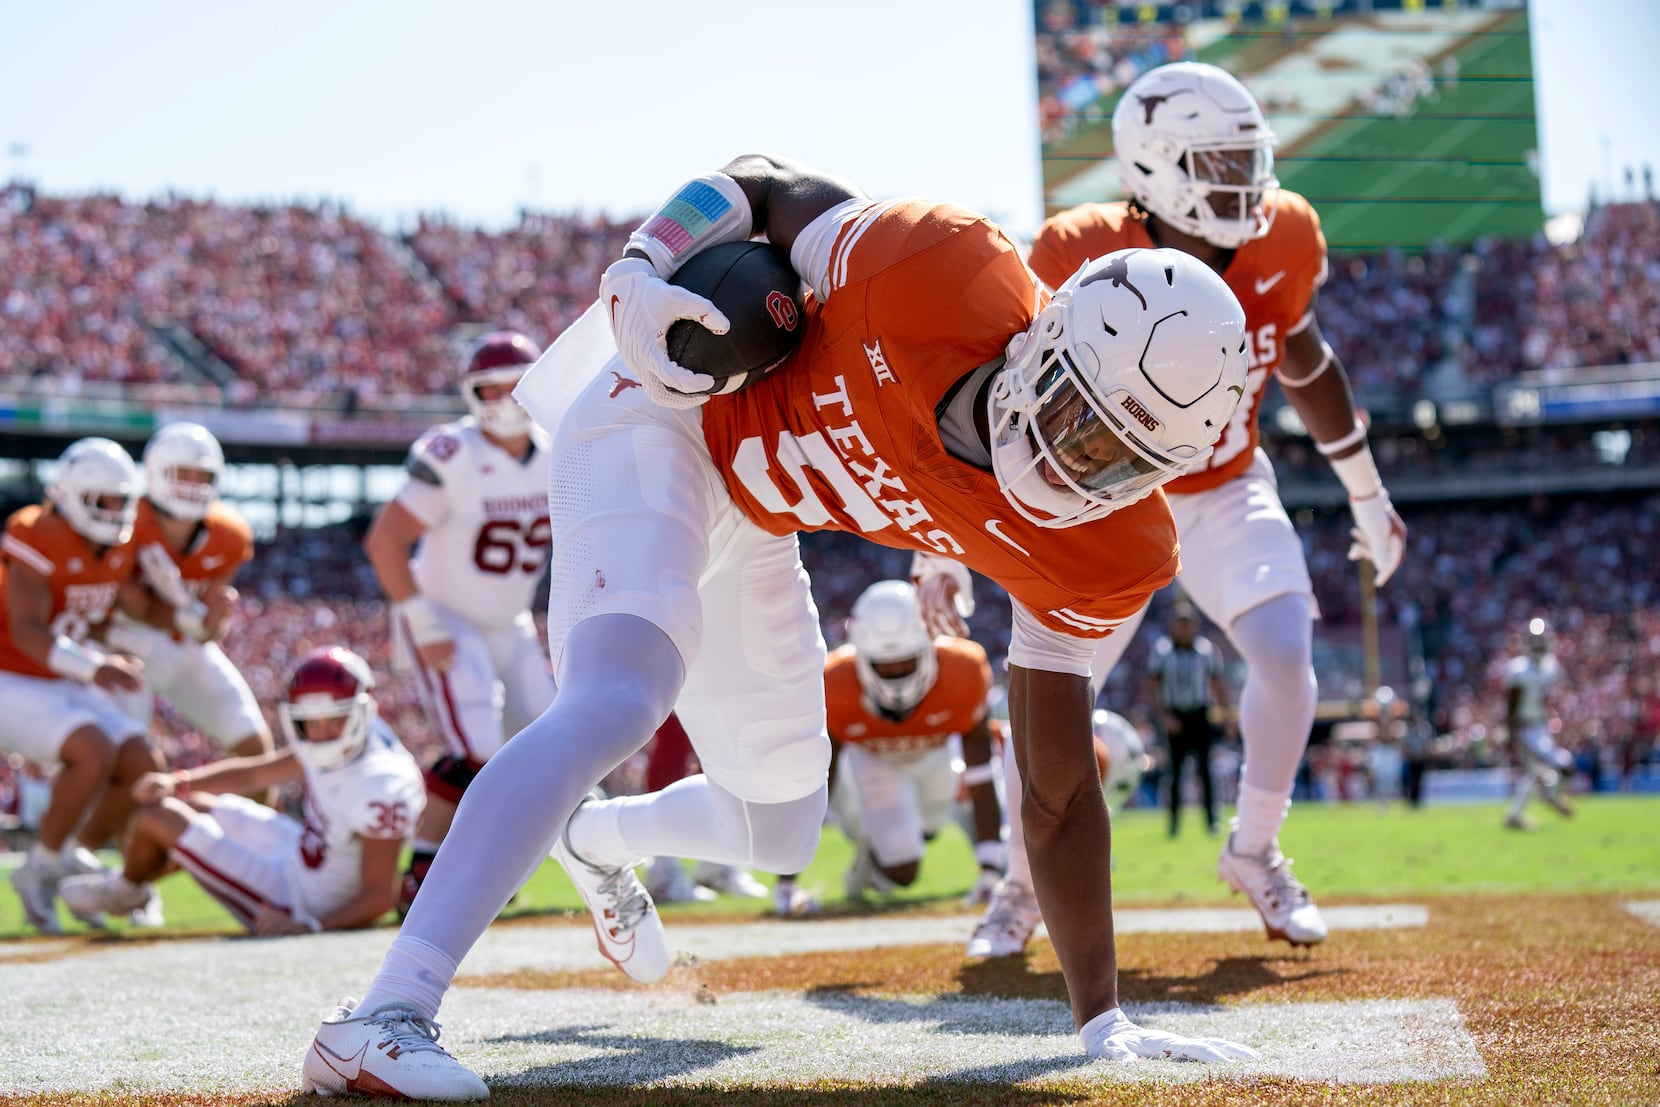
(1535, 677)
(486, 519)
(379, 795)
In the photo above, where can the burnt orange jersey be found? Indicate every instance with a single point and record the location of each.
(1275, 278)
(955, 703)
(844, 435)
(84, 579)
(222, 542)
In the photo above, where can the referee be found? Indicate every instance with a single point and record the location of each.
(1184, 680)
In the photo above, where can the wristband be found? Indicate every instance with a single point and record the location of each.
(75, 660)
(181, 784)
(991, 854)
(983, 773)
(703, 212)
(425, 624)
(1359, 474)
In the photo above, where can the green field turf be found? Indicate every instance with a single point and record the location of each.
(1341, 851)
(1457, 169)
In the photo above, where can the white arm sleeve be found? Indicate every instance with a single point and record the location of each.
(811, 253)
(1035, 646)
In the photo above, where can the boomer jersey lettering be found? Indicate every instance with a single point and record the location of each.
(84, 579)
(954, 705)
(843, 435)
(1275, 278)
(486, 519)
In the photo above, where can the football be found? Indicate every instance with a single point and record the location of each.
(758, 290)
(1120, 755)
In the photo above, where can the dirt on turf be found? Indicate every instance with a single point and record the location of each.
(1561, 995)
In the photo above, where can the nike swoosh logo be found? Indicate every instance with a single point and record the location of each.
(615, 300)
(330, 1057)
(995, 526)
(1263, 283)
(212, 562)
(936, 718)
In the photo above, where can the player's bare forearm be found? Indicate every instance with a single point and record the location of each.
(241, 775)
(1325, 403)
(982, 797)
(378, 890)
(29, 610)
(1068, 838)
(785, 196)
(136, 600)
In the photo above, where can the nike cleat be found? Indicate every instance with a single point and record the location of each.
(390, 1053)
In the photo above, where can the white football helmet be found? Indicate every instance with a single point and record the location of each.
(96, 490)
(500, 357)
(1194, 149)
(1126, 757)
(1539, 638)
(1123, 382)
(171, 451)
(893, 652)
(331, 683)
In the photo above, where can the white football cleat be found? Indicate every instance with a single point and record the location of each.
(78, 862)
(149, 917)
(1289, 913)
(37, 886)
(390, 1053)
(792, 901)
(107, 892)
(1011, 918)
(626, 923)
(731, 880)
(668, 882)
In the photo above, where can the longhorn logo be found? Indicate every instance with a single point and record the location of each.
(1149, 104)
(1118, 272)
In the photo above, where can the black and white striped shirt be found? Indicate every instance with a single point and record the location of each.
(1184, 673)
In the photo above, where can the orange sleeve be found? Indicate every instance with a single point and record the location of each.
(841, 692)
(1302, 246)
(1055, 249)
(966, 673)
(234, 536)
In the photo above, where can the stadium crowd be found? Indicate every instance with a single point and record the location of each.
(311, 306)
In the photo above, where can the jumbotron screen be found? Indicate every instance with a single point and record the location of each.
(1405, 122)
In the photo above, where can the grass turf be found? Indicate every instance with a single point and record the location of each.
(1341, 851)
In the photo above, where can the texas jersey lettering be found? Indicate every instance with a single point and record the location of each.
(486, 518)
(1275, 278)
(844, 435)
(84, 579)
(954, 705)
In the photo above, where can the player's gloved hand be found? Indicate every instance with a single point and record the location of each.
(1379, 535)
(162, 574)
(984, 885)
(1111, 1036)
(944, 593)
(642, 306)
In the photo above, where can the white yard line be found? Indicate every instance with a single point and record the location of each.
(218, 1014)
(1648, 910)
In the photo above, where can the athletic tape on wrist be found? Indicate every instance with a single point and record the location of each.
(1359, 474)
(75, 660)
(703, 212)
(983, 773)
(425, 624)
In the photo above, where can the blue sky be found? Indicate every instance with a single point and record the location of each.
(480, 108)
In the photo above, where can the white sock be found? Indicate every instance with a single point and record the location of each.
(1261, 814)
(415, 973)
(46, 858)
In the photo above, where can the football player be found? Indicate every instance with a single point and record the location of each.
(64, 567)
(190, 545)
(895, 696)
(474, 511)
(1195, 153)
(336, 870)
(938, 400)
(1529, 679)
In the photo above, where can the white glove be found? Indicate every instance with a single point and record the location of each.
(642, 306)
(1379, 535)
(1111, 1036)
(162, 574)
(944, 592)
